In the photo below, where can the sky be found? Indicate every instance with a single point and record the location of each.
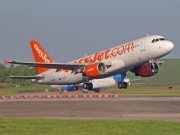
(71, 29)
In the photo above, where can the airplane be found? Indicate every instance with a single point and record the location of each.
(138, 56)
(97, 83)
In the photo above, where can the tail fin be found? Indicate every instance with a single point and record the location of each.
(40, 55)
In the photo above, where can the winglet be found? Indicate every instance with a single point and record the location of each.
(6, 62)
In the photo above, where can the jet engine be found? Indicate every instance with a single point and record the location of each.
(147, 70)
(95, 70)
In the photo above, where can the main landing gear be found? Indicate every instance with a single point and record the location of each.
(87, 86)
(122, 85)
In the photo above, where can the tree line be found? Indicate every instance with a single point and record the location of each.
(12, 70)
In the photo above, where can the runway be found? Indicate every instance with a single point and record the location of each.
(164, 108)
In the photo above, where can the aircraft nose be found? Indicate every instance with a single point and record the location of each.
(170, 46)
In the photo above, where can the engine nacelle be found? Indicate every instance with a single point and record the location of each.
(148, 70)
(95, 70)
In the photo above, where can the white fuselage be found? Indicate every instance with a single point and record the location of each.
(122, 58)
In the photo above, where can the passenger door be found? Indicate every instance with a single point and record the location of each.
(143, 45)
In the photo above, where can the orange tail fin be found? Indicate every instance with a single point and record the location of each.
(40, 55)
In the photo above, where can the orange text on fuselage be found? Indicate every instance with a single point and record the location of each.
(107, 54)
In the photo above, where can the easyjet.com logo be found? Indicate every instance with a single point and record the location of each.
(41, 54)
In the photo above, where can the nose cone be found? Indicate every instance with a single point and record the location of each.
(169, 46)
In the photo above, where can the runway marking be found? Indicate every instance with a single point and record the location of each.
(60, 96)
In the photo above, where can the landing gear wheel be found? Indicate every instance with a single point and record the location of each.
(122, 85)
(97, 91)
(88, 86)
(85, 86)
(85, 91)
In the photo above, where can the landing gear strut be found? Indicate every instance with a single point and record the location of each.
(60, 90)
(122, 85)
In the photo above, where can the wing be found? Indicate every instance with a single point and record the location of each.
(26, 77)
(160, 62)
(58, 66)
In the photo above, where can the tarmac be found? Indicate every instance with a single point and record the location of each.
(95, 107)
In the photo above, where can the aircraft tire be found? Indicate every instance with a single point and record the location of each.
(90, 86)
(124, 85)
(120, 85)
(85, 86)
(85, 91)
(97, 91)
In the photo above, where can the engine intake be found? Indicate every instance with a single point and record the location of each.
(95, 70)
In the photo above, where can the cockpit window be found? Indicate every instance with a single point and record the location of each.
(162, 39)
(158, 39)
(153, 41)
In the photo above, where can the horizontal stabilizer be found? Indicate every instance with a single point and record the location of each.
(26, 77)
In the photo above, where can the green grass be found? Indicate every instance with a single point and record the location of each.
(147, 91)
(7, 91)
(14, 126)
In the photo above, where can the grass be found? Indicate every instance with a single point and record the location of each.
(18, 126)
(147, 91)
(131, 91)
(7, 91)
